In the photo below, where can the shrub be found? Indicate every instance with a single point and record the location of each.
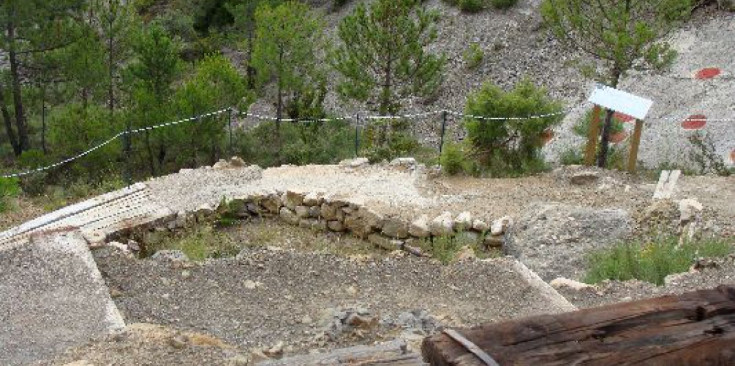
(303, 143)
(652, 260)
(704, 154)
(503, 4)
(454, 160)
(201, 243)
(571, 156)
(511, 146)
(583, 125)
(386, 140)
(471, 6)
(8, 188)
(33, 184)
(473, 56)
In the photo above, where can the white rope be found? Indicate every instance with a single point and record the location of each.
(107, 142)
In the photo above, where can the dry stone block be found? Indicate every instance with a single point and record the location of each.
(237, 162)
(204, 212)
(463, 221)
(337, 226)
(689, 209)
(293, 199)
(479, 225)
(272, 204)
(329, 212)
(313, 224)
(315, 211)
(302, 212)
(442, 225)
(500, 226)
(494, 241)
(420, 227)
(395, 228)
(289, 216)
(313, 199)
(371, 218)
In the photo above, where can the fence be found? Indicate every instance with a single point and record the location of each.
(434, 128)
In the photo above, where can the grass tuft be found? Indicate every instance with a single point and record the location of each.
(651, 261)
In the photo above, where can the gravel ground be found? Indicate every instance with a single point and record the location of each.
(150, 345)
(611, 292)
(267, 296)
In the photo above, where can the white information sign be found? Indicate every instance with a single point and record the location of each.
(620, 101)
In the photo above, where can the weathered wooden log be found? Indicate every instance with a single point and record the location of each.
(385, 354)
(696, 328)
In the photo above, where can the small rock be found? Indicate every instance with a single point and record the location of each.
(356, 320)
(494, 241)
(221, 165)
(170, 255)
(500, 226)
(238, 360)
(384, 242)
(420, 227)
(252, 285)
(293, 199)
(115, 293)
(133, 245)
(463, 221)
(561, 282)
(354, 163)
(442, 225)
(288, 216)
(237, 162)
(480, 226)
(179, 342)
(276, 350)
(395, 228)
(403, 162)
(465, 253)
(257, 356)
(306, 320)
(689, 209)
(185, 274)
(352, 290)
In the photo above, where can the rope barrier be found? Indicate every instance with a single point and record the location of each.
(269, 118)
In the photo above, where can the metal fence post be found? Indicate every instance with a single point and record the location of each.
(441, 140)
(229, 126)
(127, 171)
(357, 135)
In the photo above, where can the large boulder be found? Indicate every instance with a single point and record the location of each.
(553, 239)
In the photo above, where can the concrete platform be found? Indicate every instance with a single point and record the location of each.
(52, 297)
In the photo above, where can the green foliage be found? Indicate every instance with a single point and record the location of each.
(339, 3)
(8, 188)
(73, 129)
(201, 243)
(471, 6)
(512, 146)
(446, 248)
(473, 56)
(704, 154)
(503, 4)
(387, 140)
(287, 39)
(619, 33)
(583, 125)
(455, 160)
(571, 156)
(651, 261)
(303, 143)
(382, 56)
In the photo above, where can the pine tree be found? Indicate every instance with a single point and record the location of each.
(623, 34)
(287, 38)
(383, 57)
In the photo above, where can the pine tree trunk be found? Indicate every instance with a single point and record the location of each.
(20, 122)
(9, 123)
(607, 126)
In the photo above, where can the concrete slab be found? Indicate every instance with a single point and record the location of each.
(52, 297)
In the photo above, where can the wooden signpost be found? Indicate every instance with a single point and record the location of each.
(622, 102)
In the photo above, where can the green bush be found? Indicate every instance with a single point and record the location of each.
(582, 126)
(473, 56)
(455, 160)
(510, 147)
(201, 243)
(8, 188)
(471, 6)
(651, 261)
(386, 140)
(303, 143)
(503, 4)
(571, 156)
(33, 184)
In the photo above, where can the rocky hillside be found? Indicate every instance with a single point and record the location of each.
(516, 44)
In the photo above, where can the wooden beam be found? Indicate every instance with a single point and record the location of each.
(634, 144)
(593, 134)
(696, 328)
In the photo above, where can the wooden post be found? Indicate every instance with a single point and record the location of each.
(593, 132)
(634, 144)
(695, 328)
